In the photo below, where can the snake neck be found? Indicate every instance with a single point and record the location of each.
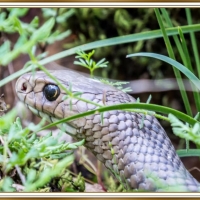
(137, 149)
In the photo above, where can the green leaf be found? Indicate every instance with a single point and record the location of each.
(21, 40)
(49, 12)
(101, 61)
(17, 25)
(63, 18)
(60, 155)
(6, 120)
(44, 31)
(6, 186)
(48, 174)
(184, 130)
(56, 36)
(4, 48)
(17, 51)
(31, 176)
(2, 16)
(18, 12)
(35, 22)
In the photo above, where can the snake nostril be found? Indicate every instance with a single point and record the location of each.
(24, 87)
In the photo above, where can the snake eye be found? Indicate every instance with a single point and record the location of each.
(51, 92)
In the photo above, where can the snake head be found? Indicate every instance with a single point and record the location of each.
(39, 91)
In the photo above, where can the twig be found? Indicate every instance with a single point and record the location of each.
(18, 187)
(194, 168)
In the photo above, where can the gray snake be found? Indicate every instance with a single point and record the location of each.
(143, 157)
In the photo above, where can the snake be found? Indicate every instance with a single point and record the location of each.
(132, 145)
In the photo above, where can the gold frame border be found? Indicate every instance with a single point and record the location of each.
(83, 195)
(78, 4)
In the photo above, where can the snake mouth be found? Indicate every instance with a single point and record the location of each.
(66, 127)
(41, 114)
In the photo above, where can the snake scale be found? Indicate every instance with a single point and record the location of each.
(143, 157)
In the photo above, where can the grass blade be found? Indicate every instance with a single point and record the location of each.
(194, 42)
(175, 37)
(183, 51)
(172, 62)
(189, 65)
(176, 72)
(189, 152)
(121, 40)
(107, 42)
(128, 106)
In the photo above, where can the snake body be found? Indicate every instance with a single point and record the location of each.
(132, 145)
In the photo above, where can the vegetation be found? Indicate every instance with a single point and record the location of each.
(32, 163)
